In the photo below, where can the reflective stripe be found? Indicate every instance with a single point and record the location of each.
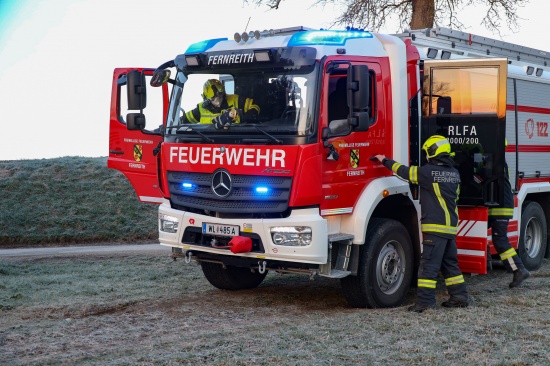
(395, 166)
(457, 280)
(207, 116)
(254, 106)
(249, 104)
(501, 212)
(190, 117)
(151, 199)
(508, 254)
(434, 228)
(442, 203)
(413, 174)
(426, 283)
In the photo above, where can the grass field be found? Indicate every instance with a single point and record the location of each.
(145, 309)
(70, 200)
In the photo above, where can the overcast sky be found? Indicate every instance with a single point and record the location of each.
(57, 58)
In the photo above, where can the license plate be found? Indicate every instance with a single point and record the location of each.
(219, 229)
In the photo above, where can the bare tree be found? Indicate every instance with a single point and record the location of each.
(417, 14)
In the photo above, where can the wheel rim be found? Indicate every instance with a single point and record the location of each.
(390, 267)
(533, 237)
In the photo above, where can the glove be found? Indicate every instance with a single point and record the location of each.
(224, 120)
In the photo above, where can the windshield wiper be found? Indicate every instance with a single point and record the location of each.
(190, 127)
(276, 140)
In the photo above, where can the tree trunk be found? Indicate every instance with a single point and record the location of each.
(423, 12)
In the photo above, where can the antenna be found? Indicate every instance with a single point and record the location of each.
(245, 28)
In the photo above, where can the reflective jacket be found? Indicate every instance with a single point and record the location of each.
(507, 209)
(202, 114)
(439, 185)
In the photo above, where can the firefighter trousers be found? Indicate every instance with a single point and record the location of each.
(439, 253)
(508, 255)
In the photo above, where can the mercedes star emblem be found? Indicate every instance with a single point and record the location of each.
(221, 183)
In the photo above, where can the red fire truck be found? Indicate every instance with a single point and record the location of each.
(293, 189)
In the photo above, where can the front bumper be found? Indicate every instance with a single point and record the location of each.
(316, 252)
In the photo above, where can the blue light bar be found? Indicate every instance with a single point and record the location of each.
(202, 46)
(325, 37)
(186, 185)
(262, 190)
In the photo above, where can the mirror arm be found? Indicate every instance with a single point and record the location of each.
(166, 64)
(325, 135)
(332, 153)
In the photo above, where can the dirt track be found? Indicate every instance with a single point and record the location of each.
(84, 249)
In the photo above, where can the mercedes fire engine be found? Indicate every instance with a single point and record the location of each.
(294, 189)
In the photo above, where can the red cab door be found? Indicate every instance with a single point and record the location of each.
(135, 152)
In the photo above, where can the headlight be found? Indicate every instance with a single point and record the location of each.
(293, 236)
(168, 223)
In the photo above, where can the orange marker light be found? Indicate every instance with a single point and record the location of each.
(385, 193)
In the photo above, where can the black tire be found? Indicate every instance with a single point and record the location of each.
(532, 236)
(385, 267)
(231, 278)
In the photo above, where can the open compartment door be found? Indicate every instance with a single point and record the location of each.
(465, 101)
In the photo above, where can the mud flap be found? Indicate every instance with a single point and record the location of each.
(471, 239)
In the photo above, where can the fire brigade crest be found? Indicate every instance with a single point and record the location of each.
(530, 127)
(354, 158)
(138, 152)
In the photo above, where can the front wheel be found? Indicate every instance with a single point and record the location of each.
(231, 277)
(532, 237)
(385, 267)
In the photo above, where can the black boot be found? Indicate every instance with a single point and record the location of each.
(520, 275)
(456, 302)
(420, 308)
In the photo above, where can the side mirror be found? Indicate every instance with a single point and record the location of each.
(360, 121)
(339, 127)
(359, 87)
(135, 121)
(160, 77)
(137, 94)
(359, 97)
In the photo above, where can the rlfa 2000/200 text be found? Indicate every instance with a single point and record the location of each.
(463, 140)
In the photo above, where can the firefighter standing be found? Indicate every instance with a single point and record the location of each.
(220, 108)
(439, 185)
(498, 222)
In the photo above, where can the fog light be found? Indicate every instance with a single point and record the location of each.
(293, 236)
(168, 223)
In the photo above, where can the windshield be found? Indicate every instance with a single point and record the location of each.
(276, 104)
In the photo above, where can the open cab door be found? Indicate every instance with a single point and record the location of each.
(135, 130)
(465, 101)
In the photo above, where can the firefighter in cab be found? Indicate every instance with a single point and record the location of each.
(219, 108)
(439, 183)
